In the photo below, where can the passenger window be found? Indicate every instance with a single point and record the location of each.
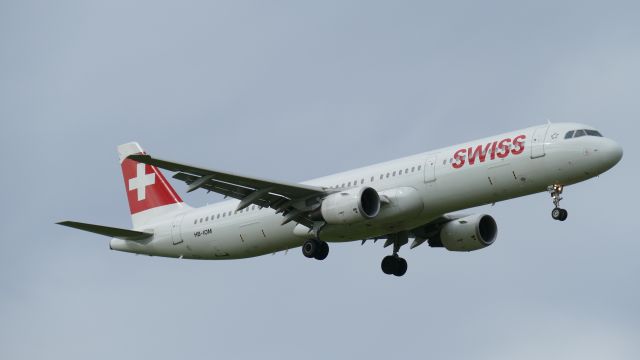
(195, 221)
(579, 133)
(361, 181)
(413, 169)
(218, 216)
(394, 173)
(206, 219)
(372, 179)
(201, 220)
(342, 184)
(381, 176)
(388, 175)
(419, 167)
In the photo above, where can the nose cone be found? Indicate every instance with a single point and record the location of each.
(610, 154)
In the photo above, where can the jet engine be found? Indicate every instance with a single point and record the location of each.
(350, 206)
(469, 233)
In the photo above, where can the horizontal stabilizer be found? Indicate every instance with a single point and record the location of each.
(118, 233)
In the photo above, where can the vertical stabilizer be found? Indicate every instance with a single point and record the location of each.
(149, 193)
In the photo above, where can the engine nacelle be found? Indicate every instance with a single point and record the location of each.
(469, 233)
(350, 206)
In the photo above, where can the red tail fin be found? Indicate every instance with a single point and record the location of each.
(147, 189)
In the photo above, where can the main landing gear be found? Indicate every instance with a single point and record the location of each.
(557, 213)
(394, 264)
(316, 249)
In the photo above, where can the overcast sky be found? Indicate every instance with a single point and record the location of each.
(292, 91)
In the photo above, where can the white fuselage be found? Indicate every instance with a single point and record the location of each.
(425, 187)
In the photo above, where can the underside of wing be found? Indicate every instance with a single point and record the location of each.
(428, 232)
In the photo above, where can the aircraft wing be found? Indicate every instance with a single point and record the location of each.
(422, 234)
(288, 198)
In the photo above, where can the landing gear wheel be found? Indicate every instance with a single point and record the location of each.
(389, 264)
(323, 251)
(315, 249)
(563, 214)
(394, 265)
(559, 214)
(401, 269)
(310, 248)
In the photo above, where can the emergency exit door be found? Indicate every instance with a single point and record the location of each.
(430, 169)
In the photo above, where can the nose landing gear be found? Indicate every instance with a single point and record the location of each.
(557, 213)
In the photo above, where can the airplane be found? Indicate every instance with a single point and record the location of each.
(415, 198)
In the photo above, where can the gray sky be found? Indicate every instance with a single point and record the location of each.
(292, 91)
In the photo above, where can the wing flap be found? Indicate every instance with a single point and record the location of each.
(118, 233)
(230, 190)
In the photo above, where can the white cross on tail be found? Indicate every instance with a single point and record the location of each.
(141, 181)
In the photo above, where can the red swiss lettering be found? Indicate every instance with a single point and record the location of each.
(493, 150)
(518, 142)
(459, 158)
(479, 153)
(503, 148)
(500, 149)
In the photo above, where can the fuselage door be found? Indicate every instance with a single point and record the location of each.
(176, 236)
(430, 169)
(538, 140)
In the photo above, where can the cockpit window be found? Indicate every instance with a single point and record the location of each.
(583, 132)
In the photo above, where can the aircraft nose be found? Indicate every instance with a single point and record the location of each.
(612, 152)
